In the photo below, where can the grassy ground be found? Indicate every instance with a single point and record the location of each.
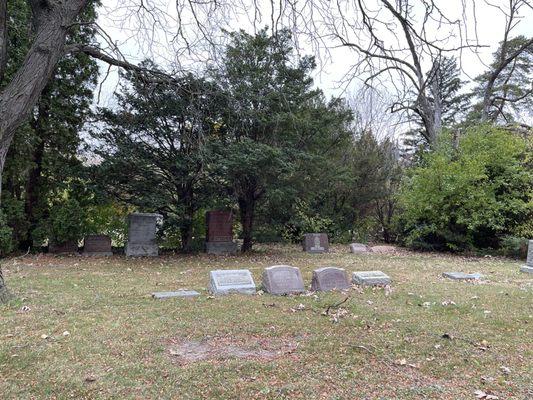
(87, 328)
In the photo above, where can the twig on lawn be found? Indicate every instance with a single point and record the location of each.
(336, 305)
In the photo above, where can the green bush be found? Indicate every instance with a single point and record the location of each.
(470, 197)
(66, 222)
(6, 236)
(512, 246)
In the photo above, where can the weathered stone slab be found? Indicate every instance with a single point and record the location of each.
(70, 247)
(219, 238)
(283, 279)
(316, 242)
(359, 248)
(329, 278)
(371, 278)
(142, 235)
(231, 281)
(97, 245)
(384, 249)
(461, 276)
(178, 293)
(526, 269)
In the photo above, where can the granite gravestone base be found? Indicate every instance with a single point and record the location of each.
(70, 247)
(329, 278)
(359, 248)
(141, 235)
(528, 268)
(283, 279)
(316, 243)
(461, 276)
(178, 293)
(231, 281)
(97, 245)
(370, 278)
(219, 238)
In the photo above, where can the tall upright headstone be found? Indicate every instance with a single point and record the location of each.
(316, 243)
(142, 235)
(529, 262)
(219, 238)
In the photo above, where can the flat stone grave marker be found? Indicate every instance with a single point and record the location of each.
(359, 248)
(316, 243)
(231, 281)
(371, 278)
(178, 293)
(141, 235)
(461, 276)
(329, 278)
(97, 245)
(219, 238)
(529, 262)
(283, 279)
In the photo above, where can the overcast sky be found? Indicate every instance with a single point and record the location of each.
(154, 36)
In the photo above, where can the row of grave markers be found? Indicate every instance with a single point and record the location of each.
(285, 280)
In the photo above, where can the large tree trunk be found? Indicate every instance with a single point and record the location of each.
(246, 209)
(51, 22)
(4, 294)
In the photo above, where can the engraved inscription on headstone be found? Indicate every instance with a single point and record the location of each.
(283, 279)
(329, 278)
(529, 262)
(461, 276)
(219, 238)
(316, 242)
(142, 235)
(372, 278)
(231, 281)
(97, 245)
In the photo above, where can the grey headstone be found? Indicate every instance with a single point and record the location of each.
(526, 269)
(372, 278)
(178, 293)
(529, 261)
(461, 276)
(359, 248)
(316, 243)
(221, 247)
(231, 281)
(142, 235)
(97, 245)
(283, 279)
(329, 278)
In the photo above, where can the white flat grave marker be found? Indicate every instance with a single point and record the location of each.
(528, 268)
(178, 293)
(225, 281)
(283, 279)
(329, 278)
(372, 278)
(461, 276)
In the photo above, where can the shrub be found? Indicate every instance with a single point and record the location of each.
(6, 236)
(469, 197)
(66, 222)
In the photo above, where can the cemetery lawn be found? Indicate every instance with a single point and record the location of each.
(88, 328)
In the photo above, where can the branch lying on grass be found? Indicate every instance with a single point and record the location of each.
(335, 305)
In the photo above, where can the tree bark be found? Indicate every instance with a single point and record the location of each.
(4, 294)
(246, 209)
(3, 38)
(51, 22)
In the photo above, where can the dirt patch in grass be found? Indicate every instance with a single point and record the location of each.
(186, 351)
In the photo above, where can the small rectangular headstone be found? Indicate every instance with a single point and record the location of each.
(316, 243)
(97, 245)
(329, 278)
(283, 279)
(142, 235)
(461, 276)
(529, 262)
(231, 281)
(69, 247)
(526, 269)
(359, 248)
(372, 278)
(178, 293)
